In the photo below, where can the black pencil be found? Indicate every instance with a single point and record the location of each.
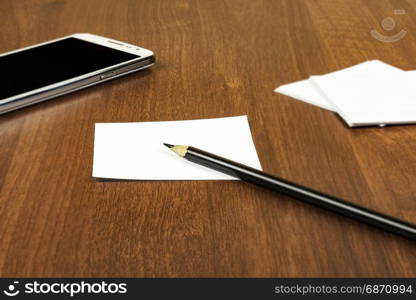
(274, 183)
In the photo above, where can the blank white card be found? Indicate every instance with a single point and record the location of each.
(136, 150)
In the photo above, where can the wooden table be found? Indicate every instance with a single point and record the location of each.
(215, 59)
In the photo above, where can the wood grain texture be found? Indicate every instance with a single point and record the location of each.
(215, 59)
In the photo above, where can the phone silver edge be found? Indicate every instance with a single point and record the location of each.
(55, 90)
(77, 85)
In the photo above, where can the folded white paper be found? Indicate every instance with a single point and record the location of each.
(136, 150)
(376, 94)
(305, 91)
(370, 93)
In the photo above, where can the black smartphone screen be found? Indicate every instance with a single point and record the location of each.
(41, 66)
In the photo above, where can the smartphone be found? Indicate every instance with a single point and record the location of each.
(45, 71)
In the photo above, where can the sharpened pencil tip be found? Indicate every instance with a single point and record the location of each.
(168, 145)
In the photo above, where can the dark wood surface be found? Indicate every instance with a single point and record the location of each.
(215, 59)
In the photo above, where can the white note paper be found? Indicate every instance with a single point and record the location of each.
(306, 91)
(375, 95)
(136, 150)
